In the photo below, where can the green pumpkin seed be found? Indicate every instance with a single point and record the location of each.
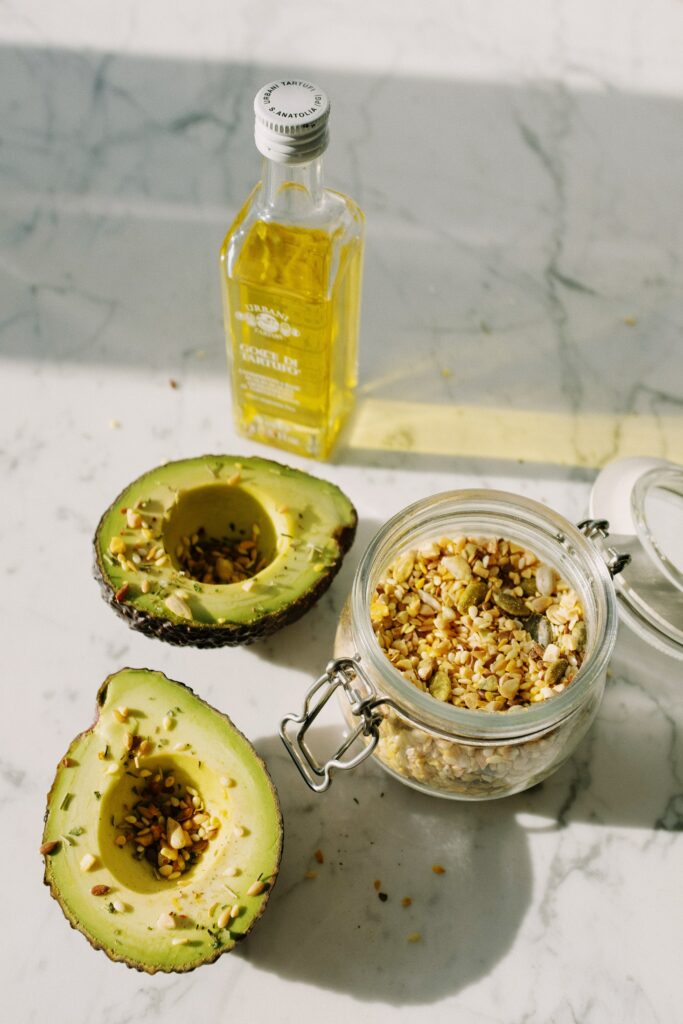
(580, 635)
(556, 671)
(511, 604)
(529, 586)
(539, 629)
(440, 685)
(473, 594)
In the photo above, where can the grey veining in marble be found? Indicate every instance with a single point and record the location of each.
(522, 187)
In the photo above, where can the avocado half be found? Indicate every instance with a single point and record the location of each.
(112, 812)
(303, 527)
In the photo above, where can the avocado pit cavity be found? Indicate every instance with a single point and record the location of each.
(219, 534)
(220, 560)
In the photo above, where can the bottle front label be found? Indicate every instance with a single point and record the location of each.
(271, 323)
(280, 360)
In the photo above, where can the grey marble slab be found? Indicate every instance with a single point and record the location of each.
(524, 256)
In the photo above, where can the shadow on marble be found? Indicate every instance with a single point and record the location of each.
(531, 270)
(308, 644)
(336, 932)
(628, 771)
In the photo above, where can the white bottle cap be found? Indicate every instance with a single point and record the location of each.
(291, 121)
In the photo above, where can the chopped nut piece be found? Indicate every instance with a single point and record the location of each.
(310, 875)
(546, 580)
(47, 848)
(319, 856)
(440, 685)
(406, 901)
(457, 566)
(438, 869)
(178, 605)
(133, 519)
(87, 862)
(100, 890)
(256, 888)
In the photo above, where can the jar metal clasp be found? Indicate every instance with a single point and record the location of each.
(345, 674)
(616, 562)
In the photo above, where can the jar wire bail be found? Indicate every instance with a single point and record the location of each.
(344, 673)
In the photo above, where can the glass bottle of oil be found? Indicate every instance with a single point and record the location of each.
(291, 275)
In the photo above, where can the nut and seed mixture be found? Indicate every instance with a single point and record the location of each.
(167, 825)
(479, 623)
(139, 548)
(220, 560)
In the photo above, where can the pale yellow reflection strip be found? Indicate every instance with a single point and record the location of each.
(587, 439)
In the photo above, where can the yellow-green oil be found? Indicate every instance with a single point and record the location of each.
(291, 319)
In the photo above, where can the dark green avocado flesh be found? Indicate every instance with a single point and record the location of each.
(302, 526)
(157, 750)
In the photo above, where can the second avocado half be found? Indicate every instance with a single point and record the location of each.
(221, 550)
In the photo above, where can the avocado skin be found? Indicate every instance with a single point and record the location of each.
(187, 634)
(230, 634)
(213, 955)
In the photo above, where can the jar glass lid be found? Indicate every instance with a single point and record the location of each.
(642, 501)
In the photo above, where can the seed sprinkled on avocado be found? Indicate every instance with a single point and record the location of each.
(223, 918)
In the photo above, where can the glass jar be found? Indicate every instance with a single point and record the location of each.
(434, 746)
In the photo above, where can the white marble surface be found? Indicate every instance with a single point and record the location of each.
(506, 251)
